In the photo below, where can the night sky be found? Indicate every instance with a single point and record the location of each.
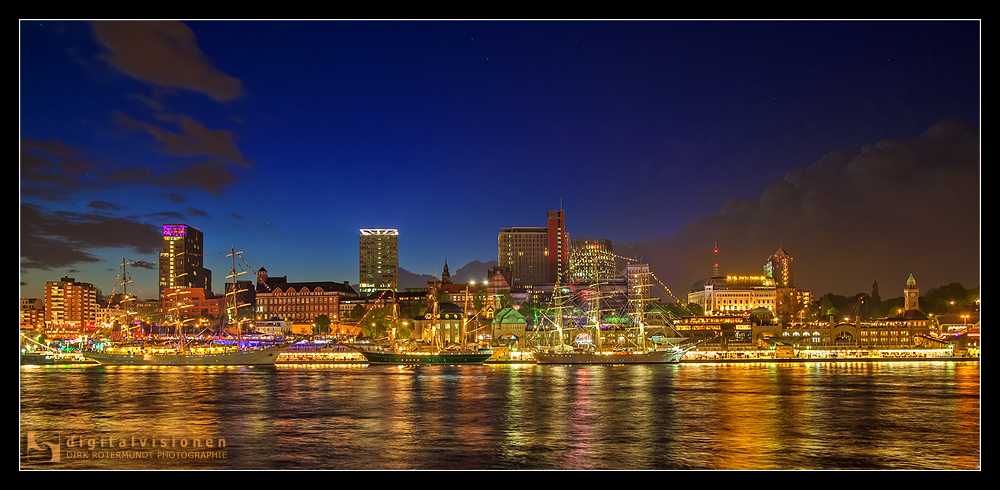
(852, 145)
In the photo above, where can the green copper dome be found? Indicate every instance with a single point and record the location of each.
(508, 315)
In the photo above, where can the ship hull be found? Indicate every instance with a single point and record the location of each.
(651, 357)
(259, 357)
(377, 357)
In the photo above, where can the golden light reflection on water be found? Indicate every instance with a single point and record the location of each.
(901, 415)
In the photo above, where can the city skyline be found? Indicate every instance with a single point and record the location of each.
(852, 145)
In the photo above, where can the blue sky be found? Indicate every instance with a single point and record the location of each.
(282, 139)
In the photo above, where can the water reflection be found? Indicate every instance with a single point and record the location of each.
(920, 415)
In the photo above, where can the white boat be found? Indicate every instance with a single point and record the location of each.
(239, 353)
(594, 353)
(176, 357)
(573, 357)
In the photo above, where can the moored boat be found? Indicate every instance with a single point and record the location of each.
(590, 348)
(433, 354)
(575, 357)
(439, 357)
(179, 357)
(236, 353)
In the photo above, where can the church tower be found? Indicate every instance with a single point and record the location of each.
(445, 275)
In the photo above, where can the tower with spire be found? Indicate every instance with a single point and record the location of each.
(445, 275)
(911, 293)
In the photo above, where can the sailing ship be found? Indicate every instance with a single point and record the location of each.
(592, 350)
(434, 354)
(238, 353)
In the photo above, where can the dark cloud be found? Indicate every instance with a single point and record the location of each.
(52, 171)
(144, 265)
(167, 216)
(211, 177)
(53, 148)
(44, 175)
(174, 197)
(197, 212)
(104, 206)
(193, 140)
(892, 208)
(237, 216)
(151, 103)
(163, 53)
(60, 239)
(132, 176)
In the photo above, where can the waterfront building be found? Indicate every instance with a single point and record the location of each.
(499, 279)
(466, 294)
(733, 294)
(193, 308)
(299, 302)
(32, 313)
(717, 332)
(348, 305)
(70, 306)
(378, 260)
(272, 327)
(639, 283)
(591, 260)
(147, 309)
(790, 302)
(524, 251)
(182, 259)
(908, 328)
(535, 255)
(508, 327)
(774, 290)
(446, 326)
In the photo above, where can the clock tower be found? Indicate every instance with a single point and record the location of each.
(911, 294)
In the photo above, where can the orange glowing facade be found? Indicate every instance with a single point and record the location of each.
(190, 305)
(70, 305)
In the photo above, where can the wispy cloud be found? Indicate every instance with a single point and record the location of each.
(166, 54)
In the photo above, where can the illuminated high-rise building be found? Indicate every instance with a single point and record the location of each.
(779, 268)
(535, 255)
(558, 245)
(70, 305)
(639, 283)
(378, 260)
(182, 259)
(591, 259)
(788, 300)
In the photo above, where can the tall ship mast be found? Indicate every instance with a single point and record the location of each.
(600, 353)
(124, 329)
(434, 354)
(233, 295)
(152, 353)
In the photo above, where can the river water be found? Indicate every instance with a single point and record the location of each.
(726, 416)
